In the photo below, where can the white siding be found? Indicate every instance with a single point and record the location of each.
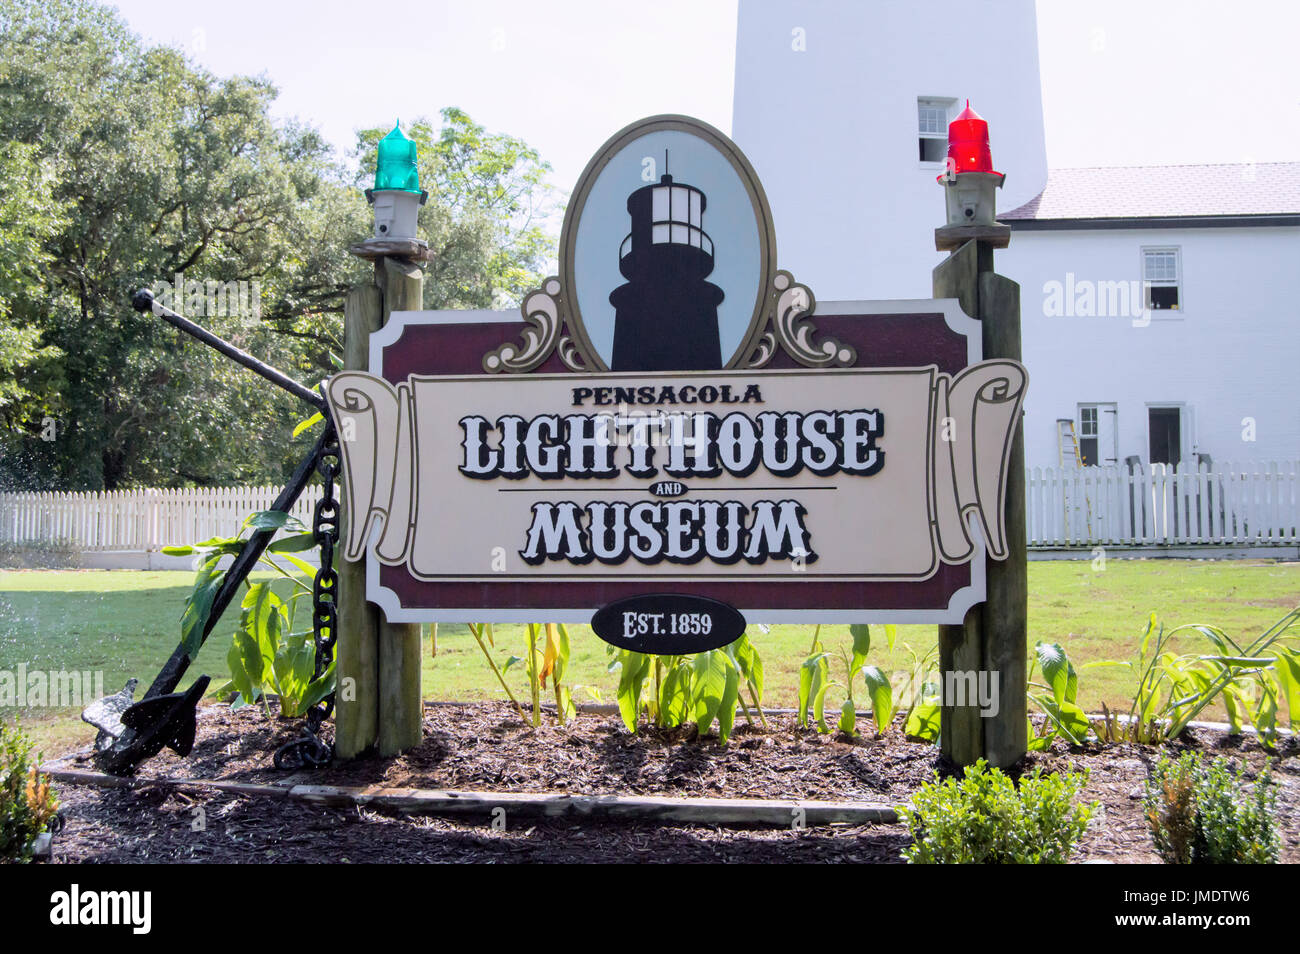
(1231, 352)
(832, 131)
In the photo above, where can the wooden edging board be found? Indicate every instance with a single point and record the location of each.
(776, 812)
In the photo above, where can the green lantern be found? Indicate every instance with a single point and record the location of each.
(397, 195)
(396, 168)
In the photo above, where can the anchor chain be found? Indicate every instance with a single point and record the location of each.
(309, 750)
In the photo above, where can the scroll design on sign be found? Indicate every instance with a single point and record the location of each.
(975, 411)
(789, 326)
(543, 317)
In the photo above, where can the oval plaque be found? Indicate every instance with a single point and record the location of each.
(668, 488)
(668, 624)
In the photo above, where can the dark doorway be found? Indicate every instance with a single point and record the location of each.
(1164, 424)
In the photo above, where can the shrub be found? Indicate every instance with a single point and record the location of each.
(27, 804)
(986, 819)
(1202, 814)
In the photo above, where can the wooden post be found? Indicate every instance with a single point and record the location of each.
(356, 719)
(400, 703)
(994, 635)
(381, 708)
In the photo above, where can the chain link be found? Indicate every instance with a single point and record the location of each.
(325, 588)
(309, 750)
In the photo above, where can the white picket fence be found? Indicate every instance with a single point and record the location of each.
(1253, 504)
(138, 520)
(1243, 504)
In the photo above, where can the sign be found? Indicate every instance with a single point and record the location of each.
(668, 624)
(674, 417)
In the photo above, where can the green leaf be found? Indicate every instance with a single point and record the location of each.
(727, 707)
(750, 663)
(562, 656)
(811, 676)
(198, 606)
(293, 668)
(1236, 708)
(1239, 662)
(675, 697)
(709, 684)
(923, 723)
(821, 682)
(1058, 671)
(1152, 624)
(216, 546)
(1069, 719)
(245, 662)
(320, 688)
(309, 423)
(635, 668)
(270, 520)
(1288, 681)
(882, 697)
(263, 619)
(861, 634)
(848, 723)
(294, 543)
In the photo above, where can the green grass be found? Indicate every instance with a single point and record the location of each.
(125, 623)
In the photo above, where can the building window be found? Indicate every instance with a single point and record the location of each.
(1161, 278)
(1088, 432)
(1096, 435)
(932, 127)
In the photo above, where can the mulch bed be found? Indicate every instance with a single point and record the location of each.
(483, 747)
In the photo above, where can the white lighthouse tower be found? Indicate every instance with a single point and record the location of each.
(843, 109)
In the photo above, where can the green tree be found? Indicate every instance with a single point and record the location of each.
(28, 218)
(130, 165)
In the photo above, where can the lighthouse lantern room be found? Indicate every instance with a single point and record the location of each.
(667, 313)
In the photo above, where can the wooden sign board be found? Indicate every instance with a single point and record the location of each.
(674, 416)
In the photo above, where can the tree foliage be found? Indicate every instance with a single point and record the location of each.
(124, 165)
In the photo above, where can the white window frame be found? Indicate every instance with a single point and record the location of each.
(945, 103)
(1104, 454)
(1163, 314)
(1186, 444)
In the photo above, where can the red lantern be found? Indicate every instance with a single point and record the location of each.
(968, 144)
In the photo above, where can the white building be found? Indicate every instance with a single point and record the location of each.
(1159, 308)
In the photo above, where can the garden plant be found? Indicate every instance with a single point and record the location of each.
(986, 818)
(1207, 814)
(27, 803)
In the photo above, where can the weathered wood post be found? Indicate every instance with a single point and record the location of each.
(356, 708)
(993, 638)
(400, 704)
(379, 705)
(382, 707)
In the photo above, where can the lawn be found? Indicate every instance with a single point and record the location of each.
(125, 623)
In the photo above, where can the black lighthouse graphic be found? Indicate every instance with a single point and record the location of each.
(666, 316)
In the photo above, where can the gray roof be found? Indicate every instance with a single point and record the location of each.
(1162, 192)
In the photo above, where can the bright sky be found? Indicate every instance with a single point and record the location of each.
(1125, 82)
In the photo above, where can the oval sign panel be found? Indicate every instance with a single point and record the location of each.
(668, 624)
